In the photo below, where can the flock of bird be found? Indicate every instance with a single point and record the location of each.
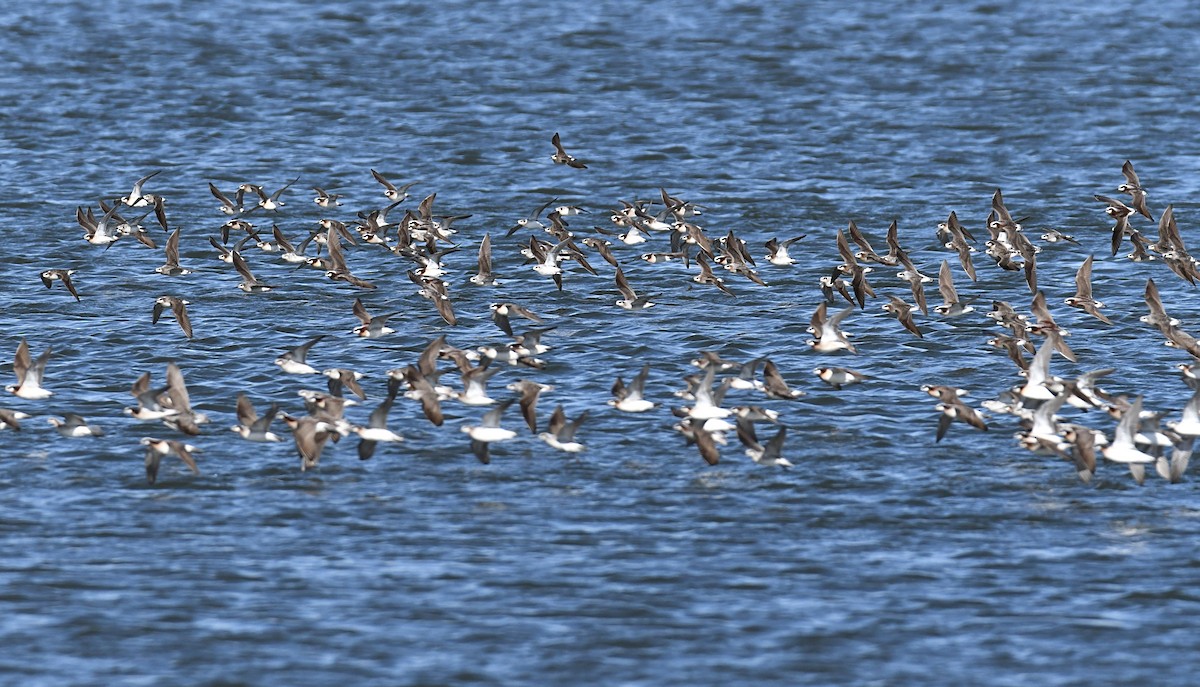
(554, 248)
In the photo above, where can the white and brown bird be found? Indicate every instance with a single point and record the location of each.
(178, 308)
(484, 275)
(952, 305)
(371, 327)
(251, 426)
(774, 385)
(631, 398)
(1083, 293)
(310, 435)
(488, 432)
(249, 283)
(376, 430)
(29, 373)
(838, 377)
(74, 426)
(157, 449)
(391, 191)
(631, 300)
(769, 454)
(560, 432)
(954, 408)
(171, 267)
(560, 156)
(1133, 186)
(903, 312)
(50, 276)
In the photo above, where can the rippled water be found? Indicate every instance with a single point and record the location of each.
(882, 557)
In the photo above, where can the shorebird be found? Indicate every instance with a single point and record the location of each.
(838, 377)
(630, 398)
(1083, 293)
(631, 300)
(178, 308)
(560, 434)
(1133, 186)
(171, 267)
(371, 327)
(294, 361)
(49, 277)
(250, 426)
(376, 430)
(157, 449)
(249, 283)
(769, 454)
(392, 192)
(136, 198)
(73, 426)
(488, 431)
(560, 156)
(29, 373)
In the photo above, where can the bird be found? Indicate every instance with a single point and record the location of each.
(488, 431)
(560, 156)
(955, 409)
(325, 199)
(295, 361)
(916, 282)
(532, 220)
(310, 435)
(705, 440)
(376, 430)
(178, 308)
(952, 306)
(838, 377)
(12, 418)
(49, 276)
(530, 391)
(474, 382)
(391, 191)
(1083, 293)
(249, 283)
(829, 337)
(560, 432)
(769, 454)
(903, 312)
(171, 267)
(184, 418)
(777, 252)
(1122, 448)
(603, 248)
(1133, 186)
(29, 373)
(484, 276)
(371, 327)
(1120, 212)
(73, 425)
(136, 198)
(270, 203)
(774, 386)
(251, 426)
(501, 311)
(631, 300)
(630, 399)
(341, 377)
(157, 449)
(228, 207)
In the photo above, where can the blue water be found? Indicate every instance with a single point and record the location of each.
(881, 558)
